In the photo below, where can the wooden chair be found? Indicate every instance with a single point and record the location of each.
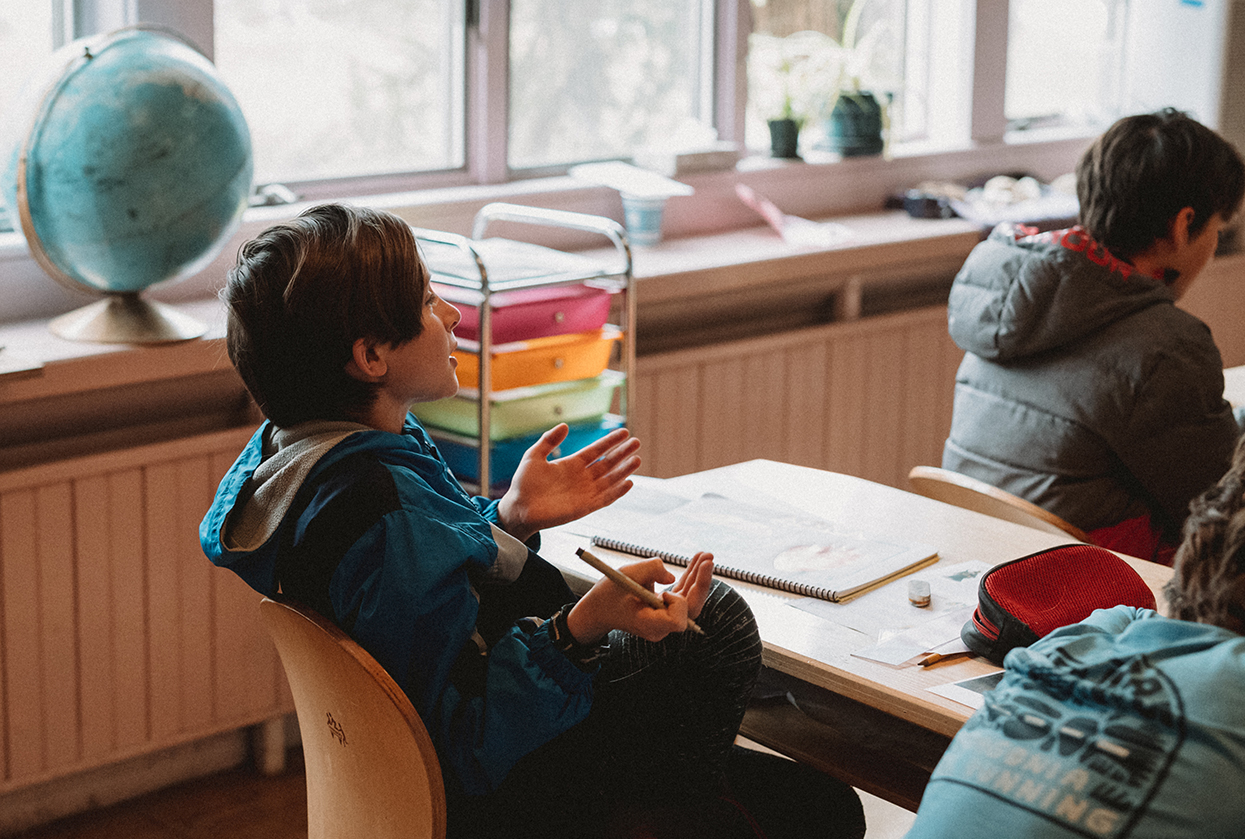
(972, 494)
(372, 772)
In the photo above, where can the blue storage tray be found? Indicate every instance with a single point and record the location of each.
(463, 458)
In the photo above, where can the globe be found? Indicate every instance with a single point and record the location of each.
(128, 164)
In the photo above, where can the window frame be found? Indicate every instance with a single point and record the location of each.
(981, 44)
(973, 44)
(963, 146)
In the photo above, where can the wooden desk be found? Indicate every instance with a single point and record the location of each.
(886, 730)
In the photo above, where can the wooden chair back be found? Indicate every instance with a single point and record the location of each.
(972, 494)
(372, 772)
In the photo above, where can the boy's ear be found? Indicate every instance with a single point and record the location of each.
(367, 363)
(1178, 227)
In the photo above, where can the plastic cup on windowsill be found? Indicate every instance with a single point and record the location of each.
(642, 217)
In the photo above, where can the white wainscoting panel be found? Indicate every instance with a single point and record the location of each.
(117, 636)
(870, 397)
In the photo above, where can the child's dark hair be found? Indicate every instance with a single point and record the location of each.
(303, 291)
(1145, 169)
(1208, 585)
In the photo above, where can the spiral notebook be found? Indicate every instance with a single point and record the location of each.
(771, 547)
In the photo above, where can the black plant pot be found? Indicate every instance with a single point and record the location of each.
(784, 137)
(854, 127)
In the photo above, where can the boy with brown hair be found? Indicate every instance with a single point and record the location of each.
(551, 716)
(1084, 389)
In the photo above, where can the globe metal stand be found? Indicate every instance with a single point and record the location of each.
(126, 319)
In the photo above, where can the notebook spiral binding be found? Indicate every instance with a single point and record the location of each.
(725, 571)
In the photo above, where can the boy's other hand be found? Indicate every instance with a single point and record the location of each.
(608, 606)
(545, 493)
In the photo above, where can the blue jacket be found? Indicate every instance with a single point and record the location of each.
(1083, 389)
(372, 530)
(1126, 724)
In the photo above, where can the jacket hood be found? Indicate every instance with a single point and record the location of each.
(241, 530)
(1021, 293)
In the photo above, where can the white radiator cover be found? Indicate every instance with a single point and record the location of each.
(117, 636)
(870, 398)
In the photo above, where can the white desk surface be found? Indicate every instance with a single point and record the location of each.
(817, 650)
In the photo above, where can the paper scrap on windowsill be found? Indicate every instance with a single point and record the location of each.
(630, 179)
(15, 365)
(793, 229)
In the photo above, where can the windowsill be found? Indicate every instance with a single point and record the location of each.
(821, 188)
(717, 275)
(76, 396)
(84, 397)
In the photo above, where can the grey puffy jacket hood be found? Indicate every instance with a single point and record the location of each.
(1021, 295)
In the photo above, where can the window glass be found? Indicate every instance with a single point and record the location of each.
(803, 53)
(601, 79)
(26, 40)
(1064, 62)
(26, 32)
(345, 88)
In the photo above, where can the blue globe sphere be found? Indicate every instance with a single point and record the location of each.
(130, 162)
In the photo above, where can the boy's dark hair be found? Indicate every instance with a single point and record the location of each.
(1145, 169)
(1208, 585)
(303, 291)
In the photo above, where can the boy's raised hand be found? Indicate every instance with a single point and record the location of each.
(545, 493)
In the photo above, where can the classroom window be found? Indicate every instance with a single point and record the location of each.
(1064, 62)
(346, 89)
(354, 97)
(802, 53)
(27, 37)
(600, 80)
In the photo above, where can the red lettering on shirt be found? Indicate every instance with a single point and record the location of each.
(1077, 240)
(1074, 239)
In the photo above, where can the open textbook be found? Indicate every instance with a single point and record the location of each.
(767, 545)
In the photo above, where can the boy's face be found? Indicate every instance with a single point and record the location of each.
(422, 369)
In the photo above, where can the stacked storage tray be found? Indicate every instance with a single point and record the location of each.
(553, 358)
(523, 410)
(535, 344)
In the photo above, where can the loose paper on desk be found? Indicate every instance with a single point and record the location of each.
(886, 613)
(793, 229)
(939, 635)
(971, 692)
(770, 546)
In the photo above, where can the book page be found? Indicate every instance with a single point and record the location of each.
(757, 543)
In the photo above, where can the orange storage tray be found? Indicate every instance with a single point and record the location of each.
(557, 358)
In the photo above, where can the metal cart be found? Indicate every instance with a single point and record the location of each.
(471, 271)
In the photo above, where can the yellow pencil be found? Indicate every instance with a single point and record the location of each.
(649, 597)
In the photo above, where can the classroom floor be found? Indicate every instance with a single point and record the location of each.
(240, 803)
(243, 804)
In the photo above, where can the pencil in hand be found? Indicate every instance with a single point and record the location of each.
(648, 597)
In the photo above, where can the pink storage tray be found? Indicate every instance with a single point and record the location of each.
(532, 312)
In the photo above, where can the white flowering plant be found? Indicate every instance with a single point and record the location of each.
(801, 76)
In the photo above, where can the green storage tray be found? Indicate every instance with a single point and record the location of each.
(522, 410)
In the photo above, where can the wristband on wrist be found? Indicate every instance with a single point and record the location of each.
(583, 656)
